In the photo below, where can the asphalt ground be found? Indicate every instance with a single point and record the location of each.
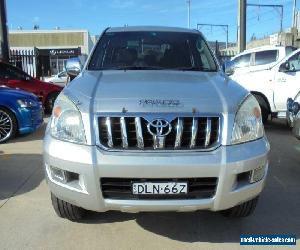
(27, 220)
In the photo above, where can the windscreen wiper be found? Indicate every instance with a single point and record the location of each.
(192, 68)
(138, 68)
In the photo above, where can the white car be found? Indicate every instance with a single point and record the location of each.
(274, 85)
(259, 58)
(60, 79)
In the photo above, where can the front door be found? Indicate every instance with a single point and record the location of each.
(287, 82)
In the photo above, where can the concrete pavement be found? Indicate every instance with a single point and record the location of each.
(27, 220)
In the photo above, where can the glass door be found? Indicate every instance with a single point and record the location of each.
(61, 65)
(54, 65)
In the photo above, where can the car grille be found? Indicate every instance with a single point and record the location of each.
(120, 188)
(187, 133)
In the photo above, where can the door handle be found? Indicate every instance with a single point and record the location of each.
(281, 79)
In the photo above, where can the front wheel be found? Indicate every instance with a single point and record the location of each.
(66, 210)
(8, 125)
(242, 210)
(50, 102)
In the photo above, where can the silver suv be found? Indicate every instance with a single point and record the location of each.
(152, 124)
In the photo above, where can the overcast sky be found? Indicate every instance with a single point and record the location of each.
(95, 15)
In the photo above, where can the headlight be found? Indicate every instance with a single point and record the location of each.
(66, 122)
(24, 103)
(248, 124)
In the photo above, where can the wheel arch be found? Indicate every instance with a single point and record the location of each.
(264, 97)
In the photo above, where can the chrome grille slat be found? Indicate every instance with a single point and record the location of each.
(179, 129)
(187, 133)
(124, 133)
(109, 132)
(139, 133)
(208, 132)
(194, 132)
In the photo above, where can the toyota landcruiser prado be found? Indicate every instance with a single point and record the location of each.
(152, 124)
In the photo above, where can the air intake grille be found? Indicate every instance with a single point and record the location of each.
(187, 133)
(120, 188)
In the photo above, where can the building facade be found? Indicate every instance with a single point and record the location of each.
(51, 48)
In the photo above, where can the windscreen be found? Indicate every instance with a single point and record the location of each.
(152, 50)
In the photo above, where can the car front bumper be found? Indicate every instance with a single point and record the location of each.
(30, 119)
(92, 163)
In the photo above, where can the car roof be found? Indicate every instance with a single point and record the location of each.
(151, 28)
(262, 48)
(266, 47)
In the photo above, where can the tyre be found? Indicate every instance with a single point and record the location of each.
(8, 125)
(50, 102)
(265, 111)
(66, 210)
(242, 210)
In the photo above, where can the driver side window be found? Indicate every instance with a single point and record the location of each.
(294, 62)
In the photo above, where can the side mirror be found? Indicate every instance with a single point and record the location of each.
(224, 66)
(229, 71)
(285, 67)
(228, 68)
(73, 67)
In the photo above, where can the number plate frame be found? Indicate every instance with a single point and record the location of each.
(159, 188)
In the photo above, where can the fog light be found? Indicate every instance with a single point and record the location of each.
(257, 174)
(63, 176)
(58, 174)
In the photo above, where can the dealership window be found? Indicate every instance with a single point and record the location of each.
(265, 57)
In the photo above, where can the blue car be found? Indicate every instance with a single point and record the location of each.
(20, 113)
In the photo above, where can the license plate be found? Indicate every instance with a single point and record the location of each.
(166, 188)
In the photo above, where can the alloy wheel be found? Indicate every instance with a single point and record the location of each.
(6, 126)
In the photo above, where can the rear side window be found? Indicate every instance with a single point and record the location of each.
(242, 61)
(265, 57)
